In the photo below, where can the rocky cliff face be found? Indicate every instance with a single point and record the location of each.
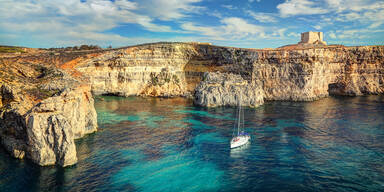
(299, 74)
(226, 89)
(139, 70)
(309, 74)
(45, 132)
(43, 109)
(129, 71)
(54, 123)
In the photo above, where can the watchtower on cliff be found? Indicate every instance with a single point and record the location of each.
(312, 38)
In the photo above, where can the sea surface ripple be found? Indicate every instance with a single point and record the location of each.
(152, 144)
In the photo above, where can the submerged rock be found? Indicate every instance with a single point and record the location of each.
(226, 89)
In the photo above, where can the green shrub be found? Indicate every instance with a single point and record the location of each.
(5, 49)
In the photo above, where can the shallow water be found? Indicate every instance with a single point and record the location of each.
(334, 144)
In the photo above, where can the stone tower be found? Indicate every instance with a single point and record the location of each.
(312, 38)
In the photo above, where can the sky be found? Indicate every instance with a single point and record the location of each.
(237, 23)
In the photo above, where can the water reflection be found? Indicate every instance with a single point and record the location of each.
(240, 151)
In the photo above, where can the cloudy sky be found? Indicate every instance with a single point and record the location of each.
(239, 23)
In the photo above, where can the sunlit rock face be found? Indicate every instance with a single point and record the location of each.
(309, 74)
(45, 132)
(131, 71)
(43, 109)
(226, 89)
(53, 125)
(299, 74)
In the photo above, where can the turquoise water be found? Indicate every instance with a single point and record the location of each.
(148, 144)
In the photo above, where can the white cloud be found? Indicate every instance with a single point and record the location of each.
(279, 33)
(372, 18)
(229, 7)
(147, 23)
(317, 27)
(241, 28)
(71, 21)
(348, 9)
(332, 35)
(64, 19)
(263, 17)
(93, 15)
(170, 9)
(354, 5)
(126, 4)
(355, 19)
(354, 33)
(203, 30)
(231, 28)
(292, 34)
(375, 24)
(300, 7)
(215, 13)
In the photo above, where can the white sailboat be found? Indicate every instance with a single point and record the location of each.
(241, 137)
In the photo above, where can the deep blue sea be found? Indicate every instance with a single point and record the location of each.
(152, 144)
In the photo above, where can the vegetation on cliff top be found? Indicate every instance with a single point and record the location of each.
(76, 48)
(11, 49)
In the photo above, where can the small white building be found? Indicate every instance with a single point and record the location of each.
(312, 38)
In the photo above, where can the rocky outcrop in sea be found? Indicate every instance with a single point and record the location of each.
(42, 112)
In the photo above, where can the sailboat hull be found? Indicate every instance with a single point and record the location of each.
(240, 141)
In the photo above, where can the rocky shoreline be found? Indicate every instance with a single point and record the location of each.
(46, 97)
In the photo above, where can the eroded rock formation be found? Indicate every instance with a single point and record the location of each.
(45, 132)
(163, 84)
(54, 123)
(43, 110)
(299, 74)
(135, 70)
(309, 74)
(226, 89)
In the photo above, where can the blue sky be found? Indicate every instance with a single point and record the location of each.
(238, 23)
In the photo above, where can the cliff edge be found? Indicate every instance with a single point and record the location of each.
(297, 74)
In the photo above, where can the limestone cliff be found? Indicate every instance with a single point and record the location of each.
(298, 74)
(309, 74)
(45, 132)
(163, 84)
(42, 111)
(54, 123)
(225, 89)
(135, 70)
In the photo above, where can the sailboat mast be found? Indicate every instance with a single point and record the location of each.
(238, 121)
